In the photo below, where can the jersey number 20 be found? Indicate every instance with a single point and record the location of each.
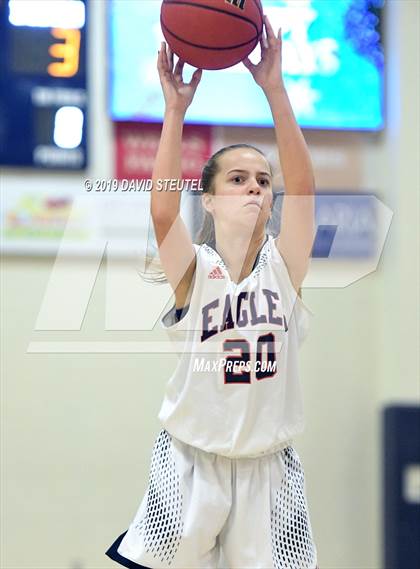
(237, 367)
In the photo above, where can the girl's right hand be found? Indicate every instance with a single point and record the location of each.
(178, 95)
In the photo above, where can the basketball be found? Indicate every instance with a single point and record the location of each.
(212, 34)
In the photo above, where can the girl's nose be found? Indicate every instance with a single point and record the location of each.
(254, 187)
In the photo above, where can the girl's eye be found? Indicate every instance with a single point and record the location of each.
(237, 179)
(264, 182)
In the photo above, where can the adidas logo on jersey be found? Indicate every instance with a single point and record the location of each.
(216, 273)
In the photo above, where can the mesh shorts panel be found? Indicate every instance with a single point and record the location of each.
(162, 523)
(291, 535)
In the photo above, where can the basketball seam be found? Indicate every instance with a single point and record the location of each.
(212, 8)
(192, 44)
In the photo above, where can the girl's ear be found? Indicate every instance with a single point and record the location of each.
(207, 202)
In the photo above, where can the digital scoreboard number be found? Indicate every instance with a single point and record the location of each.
(43, 96)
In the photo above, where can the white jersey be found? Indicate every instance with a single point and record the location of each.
(236, 389)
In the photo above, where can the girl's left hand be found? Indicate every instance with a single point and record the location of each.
(267, 73)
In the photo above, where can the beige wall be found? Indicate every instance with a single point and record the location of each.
(77, 429)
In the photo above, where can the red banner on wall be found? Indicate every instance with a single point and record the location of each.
(136, 146)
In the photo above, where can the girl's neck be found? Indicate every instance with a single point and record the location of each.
(239, 253)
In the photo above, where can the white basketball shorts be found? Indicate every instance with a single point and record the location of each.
(203, 510)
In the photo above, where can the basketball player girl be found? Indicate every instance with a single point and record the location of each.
(226, 486)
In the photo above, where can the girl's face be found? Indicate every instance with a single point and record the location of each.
(244, 177)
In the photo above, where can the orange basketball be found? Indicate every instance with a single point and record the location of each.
(212, 34)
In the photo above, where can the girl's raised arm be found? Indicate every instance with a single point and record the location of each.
(297, 230)
(176, 250)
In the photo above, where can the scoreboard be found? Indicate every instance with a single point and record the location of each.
(43, 95)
